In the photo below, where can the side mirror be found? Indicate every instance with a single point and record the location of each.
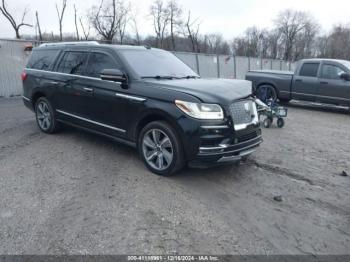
(345, 76)
(113, 75)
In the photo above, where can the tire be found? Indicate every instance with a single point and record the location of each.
(266, 93)
(45, 116)
(285, 100)
(267, 123)
(160, 148)
(280, 122)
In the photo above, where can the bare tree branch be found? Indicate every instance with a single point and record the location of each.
(11, 19)
(60, 15)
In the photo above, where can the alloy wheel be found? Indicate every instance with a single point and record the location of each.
(157, 149)
(43, 115)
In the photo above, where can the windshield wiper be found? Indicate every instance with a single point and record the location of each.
(159, 77)
(189, 77)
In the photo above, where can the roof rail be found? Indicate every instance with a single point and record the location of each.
(70, 43)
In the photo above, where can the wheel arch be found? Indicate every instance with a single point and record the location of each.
(156, 115)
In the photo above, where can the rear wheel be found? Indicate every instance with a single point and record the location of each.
(280, 122)
(266, 93)
(160, 148)
(45, 116)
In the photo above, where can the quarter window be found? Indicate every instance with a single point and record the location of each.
(98, 62)
(73, 63)
(331, 72)
(309, 69)
(42, 59)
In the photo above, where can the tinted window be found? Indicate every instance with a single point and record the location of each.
(331, 72)
(73, 63)
(309, 69)
(155, 62)
(98, 62)
(42, 59)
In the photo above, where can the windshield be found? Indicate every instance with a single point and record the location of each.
(157, 63)
(346, 64)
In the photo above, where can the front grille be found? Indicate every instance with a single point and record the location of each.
(247, 137)
(242, 112)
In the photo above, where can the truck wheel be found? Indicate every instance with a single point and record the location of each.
(45, 116)
(266, 93)
(280, 122)
(160, 148)
(267, 123)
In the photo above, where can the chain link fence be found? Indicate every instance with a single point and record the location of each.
(14, 55)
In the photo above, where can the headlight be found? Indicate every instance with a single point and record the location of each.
(200, 110)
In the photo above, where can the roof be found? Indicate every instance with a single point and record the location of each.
(323, 60)
(91, 43)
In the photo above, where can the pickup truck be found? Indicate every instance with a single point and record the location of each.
(317, 80)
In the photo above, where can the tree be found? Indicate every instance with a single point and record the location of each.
(291, 24)
(175, 13)
(110, 20)
(76, 22)
(15, 25)
(86, 30)
(38, 26)
(160, 15)
(60, 15)
(192, 28)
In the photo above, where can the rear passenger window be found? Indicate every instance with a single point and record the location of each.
(309, 69)
(42, 59)
(98, 62)
(73, 63)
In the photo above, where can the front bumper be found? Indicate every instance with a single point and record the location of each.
(227, 153)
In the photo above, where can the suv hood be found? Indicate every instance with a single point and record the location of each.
(214, 90)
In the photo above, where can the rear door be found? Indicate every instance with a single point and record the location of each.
(69, 69)
(333, 89)
(305, 82)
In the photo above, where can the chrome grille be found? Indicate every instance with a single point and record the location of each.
(242, 112)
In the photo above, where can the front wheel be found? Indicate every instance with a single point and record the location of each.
(160, 148)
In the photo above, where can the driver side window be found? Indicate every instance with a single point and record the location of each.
(331, 72)
(98, 62)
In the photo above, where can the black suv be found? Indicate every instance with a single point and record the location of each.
(144, 97)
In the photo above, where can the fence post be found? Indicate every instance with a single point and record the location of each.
(271, 63)
(261, 63)
(235, 66)
(218, 65)
(197, 64)
(280, 64)
(248, 63)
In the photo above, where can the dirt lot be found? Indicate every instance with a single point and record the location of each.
(77, 193)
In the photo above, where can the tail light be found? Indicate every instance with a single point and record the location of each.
(24, 76)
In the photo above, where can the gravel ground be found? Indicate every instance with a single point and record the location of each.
(76, 193)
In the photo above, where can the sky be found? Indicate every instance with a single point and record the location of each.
(228, 17)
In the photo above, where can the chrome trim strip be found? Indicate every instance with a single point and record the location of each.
(91, 121)
(71, 75)
(215, 127)
(332, 97)
(26, 98)
(259, 138)
(214, 147)
(236, 158)
(138, 99)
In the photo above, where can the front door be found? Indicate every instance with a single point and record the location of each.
(333, 89)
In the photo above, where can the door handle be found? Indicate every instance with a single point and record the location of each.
(89, 90)
(324, 82)
(298, 80)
